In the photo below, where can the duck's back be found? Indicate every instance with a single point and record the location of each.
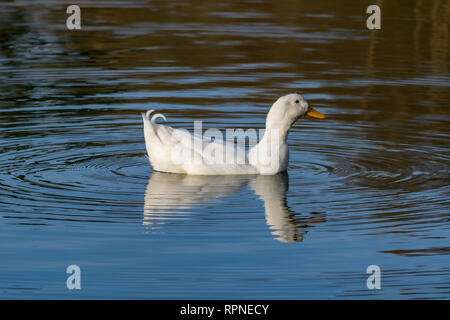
(178, 151)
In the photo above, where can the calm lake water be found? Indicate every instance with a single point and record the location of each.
(369, 185)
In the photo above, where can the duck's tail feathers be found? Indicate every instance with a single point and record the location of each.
(150, 130)
(153, 119)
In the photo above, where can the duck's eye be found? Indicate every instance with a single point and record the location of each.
(296, 101)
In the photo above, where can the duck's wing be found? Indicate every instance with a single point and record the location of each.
(178, 151)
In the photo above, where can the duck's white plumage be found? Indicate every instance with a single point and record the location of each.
(178, 151)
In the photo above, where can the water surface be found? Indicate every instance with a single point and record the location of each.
(369, 185)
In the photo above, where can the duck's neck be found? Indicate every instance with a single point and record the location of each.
(277, 127)
(270, 155)
(275, 133)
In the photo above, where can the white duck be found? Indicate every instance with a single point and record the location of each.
(178, 151)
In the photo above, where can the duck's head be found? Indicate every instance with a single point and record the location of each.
(287, 109)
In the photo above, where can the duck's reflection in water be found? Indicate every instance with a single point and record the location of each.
(169, 194)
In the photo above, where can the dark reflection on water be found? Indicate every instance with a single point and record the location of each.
(369, 185)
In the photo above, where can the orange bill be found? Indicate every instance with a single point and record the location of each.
(315, 114)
